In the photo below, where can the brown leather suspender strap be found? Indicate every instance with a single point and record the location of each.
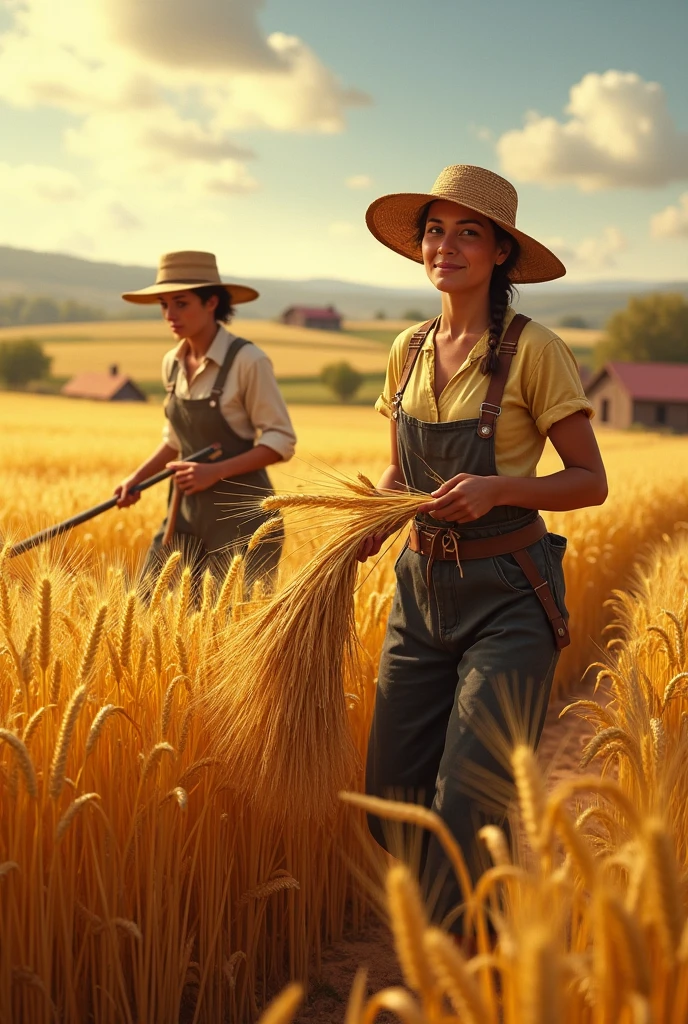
(492, 406)
(415, 345)
(542, 589)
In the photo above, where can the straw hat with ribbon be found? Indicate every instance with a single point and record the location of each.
(182, 271)
(393, 218)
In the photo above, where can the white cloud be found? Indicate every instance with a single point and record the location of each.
(155, 85)
(592, 254)
(357, 181)
(672, 222)
(38, 182)
(206, 33)
(619, 134)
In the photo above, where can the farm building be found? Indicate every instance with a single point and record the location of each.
(649, 394)
(325, 318)
(104, 387)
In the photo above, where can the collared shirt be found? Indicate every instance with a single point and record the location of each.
(251, 401)
(542, 388)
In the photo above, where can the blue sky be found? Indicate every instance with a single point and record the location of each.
(262, 131)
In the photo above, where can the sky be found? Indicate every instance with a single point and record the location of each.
(262, 129)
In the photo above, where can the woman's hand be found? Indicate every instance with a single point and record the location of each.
(371, 546)
(125, 496)
(191, 477)
(464, 498)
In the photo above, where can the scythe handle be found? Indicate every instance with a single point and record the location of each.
(208, 454)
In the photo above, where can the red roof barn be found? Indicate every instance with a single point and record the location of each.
(104, 387)
(649, 394)
(324, 318)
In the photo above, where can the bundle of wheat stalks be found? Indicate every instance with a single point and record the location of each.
(285, 665)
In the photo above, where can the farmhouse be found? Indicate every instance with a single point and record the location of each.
(325, 318)
(650, 394)
(104, 387)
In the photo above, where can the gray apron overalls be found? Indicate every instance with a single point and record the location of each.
(444, 648)
(213, 525)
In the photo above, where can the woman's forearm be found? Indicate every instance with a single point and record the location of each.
(256, 458)
(558, 492)
(156, 462)
(392, 479)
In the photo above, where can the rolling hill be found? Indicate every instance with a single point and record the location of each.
(25, 272)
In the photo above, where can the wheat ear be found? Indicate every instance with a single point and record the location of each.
(23, 760)
(409, 921)
(226, 595)
(261, 892)
(44, 608)
(163, 581)
(98, 724)
(453, 977)
(531, 793)
(496, 843)
(265, 529)
(154, 758)
(126, 631)
(55, 682)
(72, 811)
(59, 762)
(414, 814)
(92, 644)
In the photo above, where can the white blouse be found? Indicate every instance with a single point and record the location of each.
(251, 401)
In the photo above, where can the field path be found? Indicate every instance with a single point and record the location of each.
(559, 752)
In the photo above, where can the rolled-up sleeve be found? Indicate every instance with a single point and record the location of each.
(266, 409)
(554, 390)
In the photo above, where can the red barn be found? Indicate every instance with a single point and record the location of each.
(648, 394)
(324, 318)
(104, 387)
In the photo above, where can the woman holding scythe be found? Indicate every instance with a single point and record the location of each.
(220, 389)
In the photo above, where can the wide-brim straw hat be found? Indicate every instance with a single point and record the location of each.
(393, 218)
(182, 271)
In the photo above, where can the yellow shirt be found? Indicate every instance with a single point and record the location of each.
(543, 387)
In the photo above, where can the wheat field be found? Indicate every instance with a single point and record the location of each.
(137, 880)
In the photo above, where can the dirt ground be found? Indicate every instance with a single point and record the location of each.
(559, 753)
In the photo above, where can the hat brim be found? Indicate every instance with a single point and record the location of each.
(238, 293)
(392, 220)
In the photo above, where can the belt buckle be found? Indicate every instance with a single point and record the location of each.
(490, 409)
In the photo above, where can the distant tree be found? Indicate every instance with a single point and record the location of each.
(380, 315)
(26, 309)
(342, 379)
(573, 320)
(652, 328)
(413, 314)
(23, 361)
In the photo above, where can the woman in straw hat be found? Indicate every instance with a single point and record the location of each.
(472, 397)
(220, 389)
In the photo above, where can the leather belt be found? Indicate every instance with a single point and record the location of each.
(444, 543)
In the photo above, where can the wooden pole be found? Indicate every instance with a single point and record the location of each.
(209, 454)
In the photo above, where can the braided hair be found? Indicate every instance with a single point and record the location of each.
(502, 290)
